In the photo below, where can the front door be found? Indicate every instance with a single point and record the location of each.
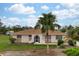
(37, 39)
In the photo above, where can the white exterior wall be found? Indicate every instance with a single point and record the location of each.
(77, 43)
(42, 39)
(14, 37)
(25, 38)
(63, 37)
(53, 39)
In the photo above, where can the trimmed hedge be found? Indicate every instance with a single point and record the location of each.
(72, 52)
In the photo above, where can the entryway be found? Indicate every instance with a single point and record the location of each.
(37, 39)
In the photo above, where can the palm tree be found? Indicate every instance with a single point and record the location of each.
(46, 23)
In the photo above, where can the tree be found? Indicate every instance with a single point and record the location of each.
(73, 34)
(2, 28)
(76, 34)
(1, 23)
(70, 27)
(37, 26)
(70, 33)
(46, 23)
(64, 29)
(57, 26)
(16, 28)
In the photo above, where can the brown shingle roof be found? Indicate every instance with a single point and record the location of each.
(37, 31)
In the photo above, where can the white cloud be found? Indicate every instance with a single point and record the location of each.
(11, 21)
(69, 5)
(32, 16)
(40, 16)
(57, 7)
(44, 7)
(71, 10)
(4, 17)
(29, 21)
(20, 8)
(66, 13)
(32, 20)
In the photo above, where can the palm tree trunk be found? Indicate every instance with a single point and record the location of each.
(47, 48)
(47, 43)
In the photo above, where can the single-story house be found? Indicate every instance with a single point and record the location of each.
(36, 36)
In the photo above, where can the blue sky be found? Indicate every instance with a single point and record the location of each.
(28, 14)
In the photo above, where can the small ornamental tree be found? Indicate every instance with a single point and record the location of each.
(60, 43)
(12, 40)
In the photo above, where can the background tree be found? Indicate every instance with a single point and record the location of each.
(2, 28)
(76, 34)
(64, 29)
(16, 28)
(70, 27)
(1, 23)
(57, 26)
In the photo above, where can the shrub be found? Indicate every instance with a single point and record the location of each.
(72, 42)
(61, 46)
(12, 40)
(60, 42)
(72, 52)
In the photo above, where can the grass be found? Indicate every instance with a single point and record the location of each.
(4, 42)
(5, 45)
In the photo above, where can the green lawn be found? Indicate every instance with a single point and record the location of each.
(5, 45)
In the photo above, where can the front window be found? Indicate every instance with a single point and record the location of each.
(30, 37)
(19, 36)
(58, 37)
(48, 37)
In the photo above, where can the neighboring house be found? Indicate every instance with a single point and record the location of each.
(9, 32)
(36, 36)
